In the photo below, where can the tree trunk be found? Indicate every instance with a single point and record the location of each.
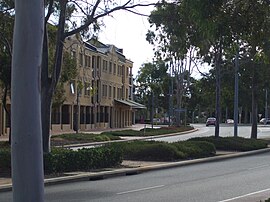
(49, 84)
(27, 155)
(46, 103)
(254, 105)
(7, 112)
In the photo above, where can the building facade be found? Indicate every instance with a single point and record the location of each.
(100, 97)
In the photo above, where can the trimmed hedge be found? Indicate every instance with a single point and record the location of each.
(65, 160)
(150, 150)
(74, 138)
(162, 151)
(233, 143)
(196, 149)
(5, 160)
(148, 131)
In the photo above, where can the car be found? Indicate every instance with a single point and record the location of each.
(230, 121)
(262, 121)
(211, 121)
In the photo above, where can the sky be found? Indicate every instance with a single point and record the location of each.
(128, 31)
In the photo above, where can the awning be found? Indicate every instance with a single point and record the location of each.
(131, 103)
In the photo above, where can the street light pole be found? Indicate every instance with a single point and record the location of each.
(266, 110)
(236, 93)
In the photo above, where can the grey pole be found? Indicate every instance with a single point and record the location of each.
(236, 93)
(26, 148)
(266, 110)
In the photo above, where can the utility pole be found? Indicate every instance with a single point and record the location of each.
(266, 108)
(26, 144)
(152, 109)
(236, 74)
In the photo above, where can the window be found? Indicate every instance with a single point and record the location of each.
(118, 70)
(110, 91)
(81, 59)
(87, 60)
(110, 67)
(87, 89)
(55, 116)
(93, 62)
(73, 54)
(114, 68)
(105, 63)
(104, 90)
(72, 87)
(65, 114)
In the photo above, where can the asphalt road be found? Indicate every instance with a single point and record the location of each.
(238, 179)
(225, 130)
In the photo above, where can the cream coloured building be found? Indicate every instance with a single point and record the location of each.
(100, 97)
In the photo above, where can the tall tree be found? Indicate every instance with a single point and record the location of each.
(151, 80)
(27, 155)
(171, 40)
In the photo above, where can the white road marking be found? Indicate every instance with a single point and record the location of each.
(258, 167)
(142, 189)
(243, 196)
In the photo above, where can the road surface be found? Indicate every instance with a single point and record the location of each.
(238, 179)
(225, 130)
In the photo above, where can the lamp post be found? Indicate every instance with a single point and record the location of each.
(266, 110)
(236, 93)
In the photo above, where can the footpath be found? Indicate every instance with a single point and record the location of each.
(129, 167)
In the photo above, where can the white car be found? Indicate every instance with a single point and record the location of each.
(230, 121)
(262, 121)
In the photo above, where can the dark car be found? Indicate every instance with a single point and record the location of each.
(211, 121)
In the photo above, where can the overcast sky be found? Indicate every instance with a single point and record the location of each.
(128, 31)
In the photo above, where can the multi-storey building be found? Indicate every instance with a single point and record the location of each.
(101, 95)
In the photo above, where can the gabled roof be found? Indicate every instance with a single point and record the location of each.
(95, 45)
(131, 103)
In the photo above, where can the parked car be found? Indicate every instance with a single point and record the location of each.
(211, 121)
(262, 121)
(230, 121)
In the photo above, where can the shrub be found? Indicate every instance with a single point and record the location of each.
(162, 151)
(150, 150)
(233, 143)
(123, 133)
(148, 131)
(65, 160)
(196, 149)
(5, 160)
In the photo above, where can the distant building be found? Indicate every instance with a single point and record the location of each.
(105, 99)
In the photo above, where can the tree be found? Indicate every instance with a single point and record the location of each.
(151, 81)
(6, 33)
(27, 155)
(67, 25)
(171, 40)
(226, 24)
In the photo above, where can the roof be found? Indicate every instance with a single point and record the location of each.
(131, 103)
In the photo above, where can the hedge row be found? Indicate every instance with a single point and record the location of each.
(148, 131)
(162, 151)
(66, 160)
(234, 143)
(63, 160)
